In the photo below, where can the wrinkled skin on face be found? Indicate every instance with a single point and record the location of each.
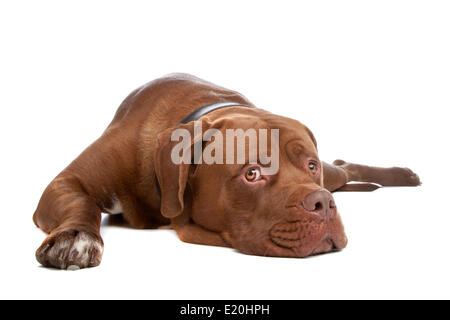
(255, 213)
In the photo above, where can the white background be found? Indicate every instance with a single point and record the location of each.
(370, 78)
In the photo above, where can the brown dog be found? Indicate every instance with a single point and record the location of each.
(129, 170)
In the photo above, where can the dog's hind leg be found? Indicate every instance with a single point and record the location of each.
(72, 219)
(338, 175)
(334, 177)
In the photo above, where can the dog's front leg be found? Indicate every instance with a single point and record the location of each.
(190, 232)
(72, 219)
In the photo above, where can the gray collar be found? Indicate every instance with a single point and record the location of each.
(209, 108)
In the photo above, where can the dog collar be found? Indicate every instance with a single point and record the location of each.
(209, 108)
(199, 113)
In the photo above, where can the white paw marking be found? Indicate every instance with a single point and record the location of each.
(73, 267)
(78, 251)
(82, 244)
(116, 207)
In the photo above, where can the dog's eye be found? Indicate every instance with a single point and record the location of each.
(253, 174)
(313, 167)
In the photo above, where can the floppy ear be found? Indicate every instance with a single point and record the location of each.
(173, 176)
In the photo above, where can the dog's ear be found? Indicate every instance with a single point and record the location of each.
(173, 160)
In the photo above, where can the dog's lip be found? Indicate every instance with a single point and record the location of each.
(286, 235)
(325, 245)
(298, 251)
(339, 241)
(298, 213)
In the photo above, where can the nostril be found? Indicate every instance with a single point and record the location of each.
(332, 204)
(318, 206)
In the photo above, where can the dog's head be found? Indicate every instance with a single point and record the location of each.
(274, 209)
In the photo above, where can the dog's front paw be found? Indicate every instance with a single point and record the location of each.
(70, 249)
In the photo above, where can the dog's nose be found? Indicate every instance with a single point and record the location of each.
(320, 202)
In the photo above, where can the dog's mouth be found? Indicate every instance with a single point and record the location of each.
(305, 237)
